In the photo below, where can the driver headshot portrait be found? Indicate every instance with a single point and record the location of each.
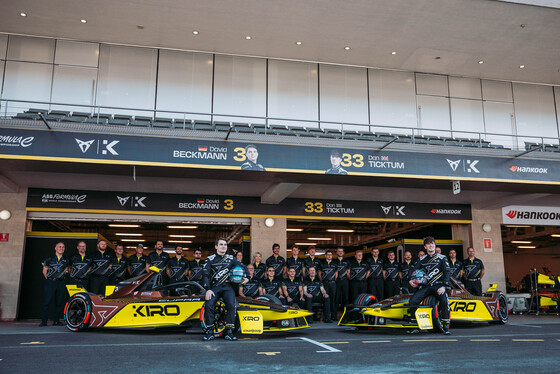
(252, 154)
(336, 159)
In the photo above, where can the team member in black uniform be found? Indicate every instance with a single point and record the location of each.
(455, 265)
(80, 265)
(157, 258)
(314, 292)
(328, 274)
(271, 285)
(196, 266)
(375, 281)
(252, 155)
(137, 262)
(358, 272)
(178, 266)
(118, 266)
(336, 159)
(293, 289)
(216, 281)
(100, 269)
(474, 271)
(311, 261)
(342, 286)
(436, 268)
(277, 262)
(391, 275)
(54, 269)
(405, 270)
(295, 262)
(260, 267)
(251, 288)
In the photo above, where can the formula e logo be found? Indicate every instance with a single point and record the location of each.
(155, 310)
(462, 306)
(470, 166)
(84, 145)
(454, 164)
(251, 318)
(511, 213)
(123, 200)
(398, 210)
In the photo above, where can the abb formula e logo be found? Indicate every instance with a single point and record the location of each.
(15, 141)
(469, 166)
(104, 146)
(397, 210)
(530, 170)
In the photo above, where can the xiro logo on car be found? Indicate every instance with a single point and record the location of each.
(251, 318)
(156, 310)
(462, 306)
(424, 315)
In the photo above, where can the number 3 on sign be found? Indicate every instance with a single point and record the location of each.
(313, 207)
(228, 204)
(240, 154)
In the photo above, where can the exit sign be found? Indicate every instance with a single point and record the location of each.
(4, 237)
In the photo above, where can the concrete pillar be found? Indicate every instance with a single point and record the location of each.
(262, 237)
(11, 252)
(493, 261)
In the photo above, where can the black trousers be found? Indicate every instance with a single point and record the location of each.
(392, 287)
(97, 284)
(330, 287)
(54, 290)
(226, 293)
(296, 301)
(376, 287)
(80, 282)
(318, 299)
(426, 291)
(342, 290)
(474, 287)
(356, 288)
(407, 288)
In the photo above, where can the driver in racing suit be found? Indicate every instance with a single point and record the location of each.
(216, 281)
(437, 272)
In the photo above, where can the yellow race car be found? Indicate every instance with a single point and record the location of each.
(393, 312)
(144, 302)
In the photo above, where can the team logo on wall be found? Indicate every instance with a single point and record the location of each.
(137, 201)
(105, 146)
(16, 141)
(397, 210)
(63, 198)
(469, 166)
(531, 215)
(531, 170)
(123, 200)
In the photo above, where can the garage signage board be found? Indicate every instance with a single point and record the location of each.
(531, 215)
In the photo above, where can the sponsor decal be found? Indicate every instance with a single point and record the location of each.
(529, 170)
(462, 306)
(123, 200)
(533, 215)
(251, 318)
(205, 204)
(156, 310)
(84, 145)
(202, 152)
(139, 201)
(469, 166)
(445, 211)
(16, 141)
(105, 146)
(63, 198)
(383, 162)
(397, 210)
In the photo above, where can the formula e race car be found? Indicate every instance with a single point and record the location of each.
(144, 302)
(368, 313)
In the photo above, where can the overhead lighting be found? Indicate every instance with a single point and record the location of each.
(319, 238)
(518, 226)
(555, 235)
(347, 48)
(180, 241)
(128, 234)
(339, 230)
(521, 66)
(182, 236)
(481, 62)
(393, 53)
(122, 225)
(527, 246)
(133, 240)
(306, 243)
(23, 14)
(298, 43)
(521, 241)
(195, 32)
(294, 229)
(248, 37)
(131, 247)
(182, 227)
(83, 21)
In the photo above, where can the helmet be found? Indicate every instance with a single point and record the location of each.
(236, 274)
(419, 277)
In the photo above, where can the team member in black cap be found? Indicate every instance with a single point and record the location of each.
(474, 271)
(80, 265)
(54, 269)
(358, 272)
(101, 268)
(137, 262)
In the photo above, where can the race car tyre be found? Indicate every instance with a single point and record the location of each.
(77, 312)
(503, 313)
(436, 312)
(365, 299)
(220, 319)
(269, 299)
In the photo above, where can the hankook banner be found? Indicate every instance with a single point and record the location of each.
(531, 215)
(235, 155)
(204, 205)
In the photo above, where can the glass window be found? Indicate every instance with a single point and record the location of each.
(74, 85)
(3, 46)
(429, 84)
(466, 88)
(344, 96)
(184, 83)
(497, 91)
(27, 81)
(240, 88)
(466, 115)
(392, 99)
(534, 111)
(127, 78)
(293, 92)
(23, 48)
(76, 53)
(433, 114)
(498, 118)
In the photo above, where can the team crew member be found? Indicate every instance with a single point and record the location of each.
(118, 266)
(277, 262)
(342, 287)
(391, 275)
(260, 267)
(438, 250)
(455, 265)
(239, 256)
(252, 155)
(293, 289)
(358, 271)
(196, 266)
(474, 271)
(295, 262)
(251, 288)
(314, 292)
(436, 268)
(421, 254)
(54, 269)
(271, 285)
(137, 263)
(405, 270)
(178, 266)
(375, 281)
(216, 280)
(80, 265)
(100, 269)
(328, 274)
(311, 261)
(157, 258)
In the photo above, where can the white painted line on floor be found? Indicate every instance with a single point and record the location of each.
(485, 340)
(376, 341)
(328, 349)
(429, 340)
(527, 340)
